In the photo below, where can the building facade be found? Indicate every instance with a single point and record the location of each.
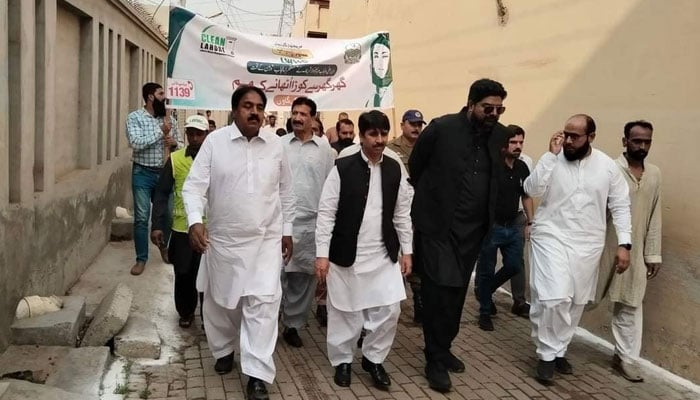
(617, 61)
(72, 70)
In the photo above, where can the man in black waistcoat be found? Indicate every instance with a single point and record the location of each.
(453, 168)
(363, 221)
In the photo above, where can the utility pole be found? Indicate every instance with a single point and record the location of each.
(288, 16)
(183, 3)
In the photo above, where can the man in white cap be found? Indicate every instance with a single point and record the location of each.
(185, 261)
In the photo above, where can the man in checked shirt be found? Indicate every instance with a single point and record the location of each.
(152, 135)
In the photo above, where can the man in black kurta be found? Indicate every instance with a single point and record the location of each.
(453, 168)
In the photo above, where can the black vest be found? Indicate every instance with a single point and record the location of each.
(354, 187)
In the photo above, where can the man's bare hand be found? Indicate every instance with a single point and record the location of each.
(653, 270)
(622, 260)
(406, 264)
(169, 141)
(199, 238)
(167, 125)
(322, 264)
(157, 238)
(556, 143)
(287, 248)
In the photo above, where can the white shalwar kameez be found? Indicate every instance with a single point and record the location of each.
(369, 292)
(246, 187)
(567, 240)
(310, 161)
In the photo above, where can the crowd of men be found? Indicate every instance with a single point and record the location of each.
(261, 224)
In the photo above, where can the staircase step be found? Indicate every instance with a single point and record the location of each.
(138, 339)
(81, 371)
(58, 328)
(12, 389)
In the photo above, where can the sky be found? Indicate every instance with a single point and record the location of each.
(250, 16)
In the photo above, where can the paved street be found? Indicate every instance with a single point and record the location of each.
(499, 364)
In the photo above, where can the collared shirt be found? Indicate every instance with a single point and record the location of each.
(246, 187)
(373, 280)
(310, 161)
(510, 191)
(145, 136)
(402, 147)
(352, 149)
(569, 228)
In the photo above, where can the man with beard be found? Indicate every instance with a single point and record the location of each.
(363, 221)
(311, 159)
(332, 132)
(172, 178)
(454, 167)
(346, 134)
(241, 176)
(411, 126)
(577, 186)
(510, 229)
(151, 135)
(627, 290)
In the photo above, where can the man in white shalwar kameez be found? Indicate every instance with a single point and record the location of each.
(363, 222)
(242, 177)
(311, 159)
(568, 236)
(626, 291)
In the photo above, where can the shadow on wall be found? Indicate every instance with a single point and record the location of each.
(647, 69)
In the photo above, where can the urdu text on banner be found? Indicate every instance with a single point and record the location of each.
(207, 62)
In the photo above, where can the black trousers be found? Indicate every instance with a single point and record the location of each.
(186, 264)
(442, 312)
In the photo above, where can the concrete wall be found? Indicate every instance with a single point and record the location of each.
(616, 60)
(69, 79)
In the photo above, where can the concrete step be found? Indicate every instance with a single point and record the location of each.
(81, 371)
(121, 229)
(138, 339)
(21, 390)
(33, 363)
(58, 328)
(109, 317)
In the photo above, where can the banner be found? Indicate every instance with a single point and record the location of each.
(207, 62)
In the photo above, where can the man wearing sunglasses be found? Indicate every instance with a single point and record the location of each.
(453, 166)
(577, 185)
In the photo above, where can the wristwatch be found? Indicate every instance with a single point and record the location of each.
(628, 246)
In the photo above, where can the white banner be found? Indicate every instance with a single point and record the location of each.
(207, 62)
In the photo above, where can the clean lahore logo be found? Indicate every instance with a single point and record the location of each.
(222, 45)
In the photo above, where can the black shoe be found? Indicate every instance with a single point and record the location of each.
(454, 364)
(417, 308)
(292, 338)
(256, 389)
(563, 366)
(361, 339)
(438, 377)
(322, 315)
(224, 365)
(545, 372)
(521, 310)
(343, 375)
(379, 376)
(186, 322)
(485, 323)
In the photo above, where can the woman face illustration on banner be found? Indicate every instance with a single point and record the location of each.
(380, 51)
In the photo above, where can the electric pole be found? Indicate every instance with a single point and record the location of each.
(288, 17)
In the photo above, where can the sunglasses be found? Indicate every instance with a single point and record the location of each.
(488, 109)
(573, 136)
